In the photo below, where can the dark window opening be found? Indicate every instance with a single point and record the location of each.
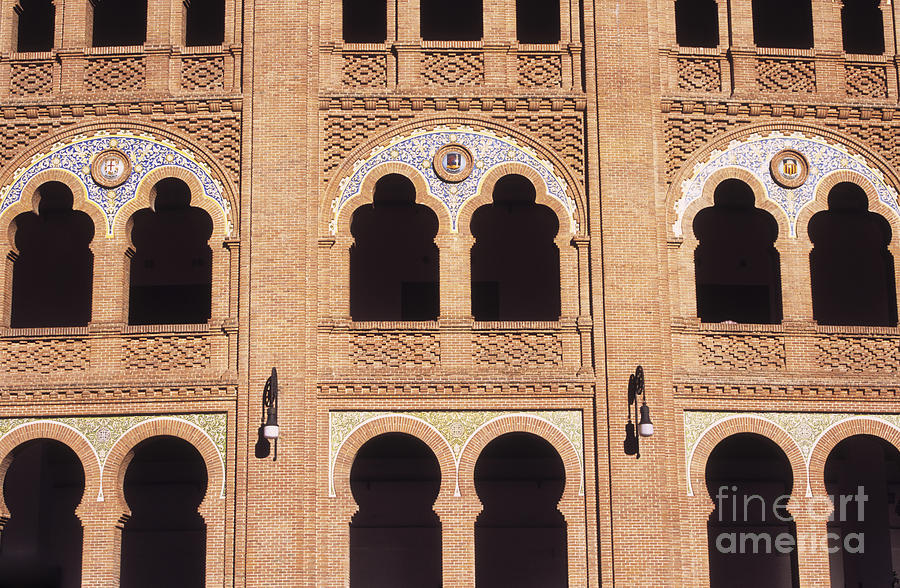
(36, 24)
(395, 537)
(365, 21)
(737, 265)
(41, 543)
(53, 273)
(171, 270)
(451, 21)
(118, 23)
(394, 261)
(862, 26)
(697, 23)
(520, 535)
(515, 263)
(862, 474)
(204, 22)
(783, 23)
(164, 539)
(749, 479)
(851, 269)
(537, 21)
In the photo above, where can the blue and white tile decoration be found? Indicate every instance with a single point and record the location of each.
(488, 151)
(146, 153)
(754, 153)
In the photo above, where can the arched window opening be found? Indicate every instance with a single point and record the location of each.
(749, 479)
(851, 269)
(862, 26)
(394, 261)
(36, 23)
(537, 21)
(365, 21)
(171, 269)
(451, 21)
(515, 262)
(862, 475)
(737, 265)
(783, 23)
(697, 23)
(204, 22)
(117, 23)
(164, 539)
(41, 543)
(53, 272)
(520, 535)
(395, 537)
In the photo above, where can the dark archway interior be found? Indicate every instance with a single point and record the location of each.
(119, 23)
(851, 269)
(750, 479)
(520, 535)
(862, 25)
(365, 21)
(451, 21)
(395, 537)
(204, 22)
(515, 263)
(41, 544)
(783, 23)
(697, 23)
(171, 270)
(53, 273)
(537, 21)
(394, 260)
(164, 540)
(37, 20)
(737, 266)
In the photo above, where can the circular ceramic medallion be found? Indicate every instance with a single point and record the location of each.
(789, 168)
(453, 163)
(111, 168)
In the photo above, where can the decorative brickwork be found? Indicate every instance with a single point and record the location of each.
(166, 353)
(115, 73)
(44, 356)
(697, 74)
(868, 81)
(453, 68)
(858, 354)
(203, 73)
(343, 132)
(742, 351)
(395, 350)
(786, 75)
(31, 79)
(517, 350)
(685, 135)
(364, 70)
(539, 71)
(220, 135)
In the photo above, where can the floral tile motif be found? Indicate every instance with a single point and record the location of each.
(754, 153)
(417, 151)
(146, 154)
(455, 427)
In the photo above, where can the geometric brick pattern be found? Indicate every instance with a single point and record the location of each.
(44, 356)
(395, 350)
(517, 350)
(31, 79)
(685, 135)
(220, 135)
(540, 71)
(453, 68)
(166, 353)
(203, 73)
(868, 81)
(786, 75)
(560, 132)
(858, 354)
(704, 75)
(344, 132)
(742, 352)
(361, 70)
(115, 73)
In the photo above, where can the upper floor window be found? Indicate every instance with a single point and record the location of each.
(451, 21)
(863, 27)
(204, 22)
(36, 22)
(783, 23)
(537, 21)
(697, 23)
(365, 21)
(119, 22)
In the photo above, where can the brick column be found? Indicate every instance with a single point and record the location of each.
(457, 537)
(102, 544)
(109, 298)
(812, 545)
(796, 285)
(6, 273)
